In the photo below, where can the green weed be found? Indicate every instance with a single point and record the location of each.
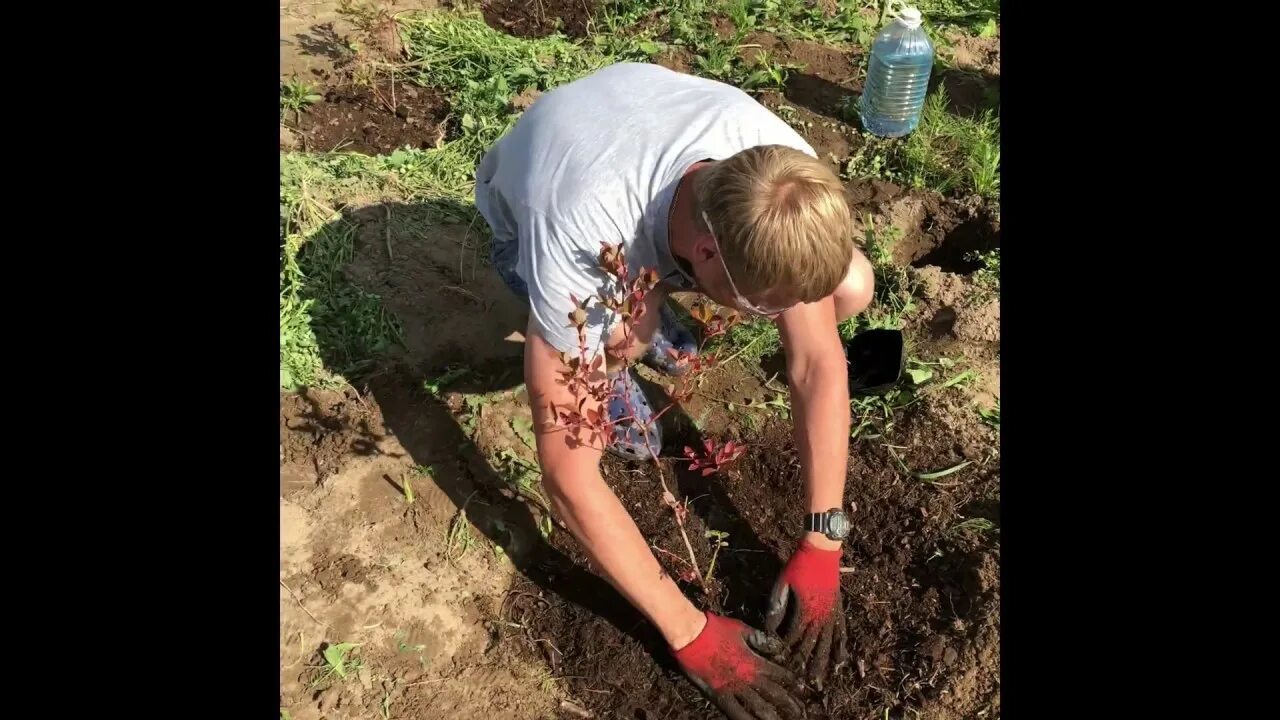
(807, 21)
(987, 277)
(295, 96)
(525, 478)
(451, 375)
(766, 72)
(422, 471)
(337, 663)
(474, 405)
(973, 15)
(874, 416)
(460, 538)
(991, 416)
(523, 428)
(718, 540)
(921, 372)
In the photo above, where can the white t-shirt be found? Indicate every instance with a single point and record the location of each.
(598, 160)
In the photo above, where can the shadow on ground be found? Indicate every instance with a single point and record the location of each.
(427, 263)
(969, 93)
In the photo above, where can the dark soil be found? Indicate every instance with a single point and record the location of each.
(828, 78)
(938, 231)
(831, 139)
(539, 18)
(968, 93)
(922, 603)
(372, 120)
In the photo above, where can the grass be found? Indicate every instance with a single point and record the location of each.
(892, 300)
(748, 341)
(328, 327)
(952, 152)
(948, 153)
(973, 15)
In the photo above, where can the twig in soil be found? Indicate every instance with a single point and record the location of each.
(464, 292)
(548, 642)
(390, 255)
(304, 607)
(302, 645)
(668, 553)
(575, 709)
(741, 350)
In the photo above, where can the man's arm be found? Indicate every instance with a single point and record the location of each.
(818, 376)
(593, 513)
(810, 583)
(723, 657)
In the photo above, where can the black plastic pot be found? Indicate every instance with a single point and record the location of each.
(876, 361)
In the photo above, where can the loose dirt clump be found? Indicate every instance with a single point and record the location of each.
(832, 140)
(970, 52)
(522, 18)
(933, 229)
(360, 564)
(371, 119)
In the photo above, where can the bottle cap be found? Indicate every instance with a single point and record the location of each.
(910, 17)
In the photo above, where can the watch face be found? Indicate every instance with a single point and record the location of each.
(838, 525)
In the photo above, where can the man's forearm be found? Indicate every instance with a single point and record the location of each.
(820, 407)
(616, 547)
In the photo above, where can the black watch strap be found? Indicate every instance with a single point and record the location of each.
(816, 522)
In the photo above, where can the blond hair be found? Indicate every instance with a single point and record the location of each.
(781, 220)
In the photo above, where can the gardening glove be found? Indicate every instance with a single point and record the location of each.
(723, 663)
(815, 637)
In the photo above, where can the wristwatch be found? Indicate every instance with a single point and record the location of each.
(832, 523)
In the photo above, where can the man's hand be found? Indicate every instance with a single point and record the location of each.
(722, 661)
(816, 636)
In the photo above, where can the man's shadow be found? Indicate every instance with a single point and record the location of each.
(969, 93)
(427, 264)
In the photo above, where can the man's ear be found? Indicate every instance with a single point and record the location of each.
(704, 248)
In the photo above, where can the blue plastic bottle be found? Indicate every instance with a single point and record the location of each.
(897, 77)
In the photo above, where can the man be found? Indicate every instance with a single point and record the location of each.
(695, 178)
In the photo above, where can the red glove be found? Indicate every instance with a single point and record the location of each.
(723, 663)
(816, 635)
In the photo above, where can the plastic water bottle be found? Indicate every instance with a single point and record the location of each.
(897, 77)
